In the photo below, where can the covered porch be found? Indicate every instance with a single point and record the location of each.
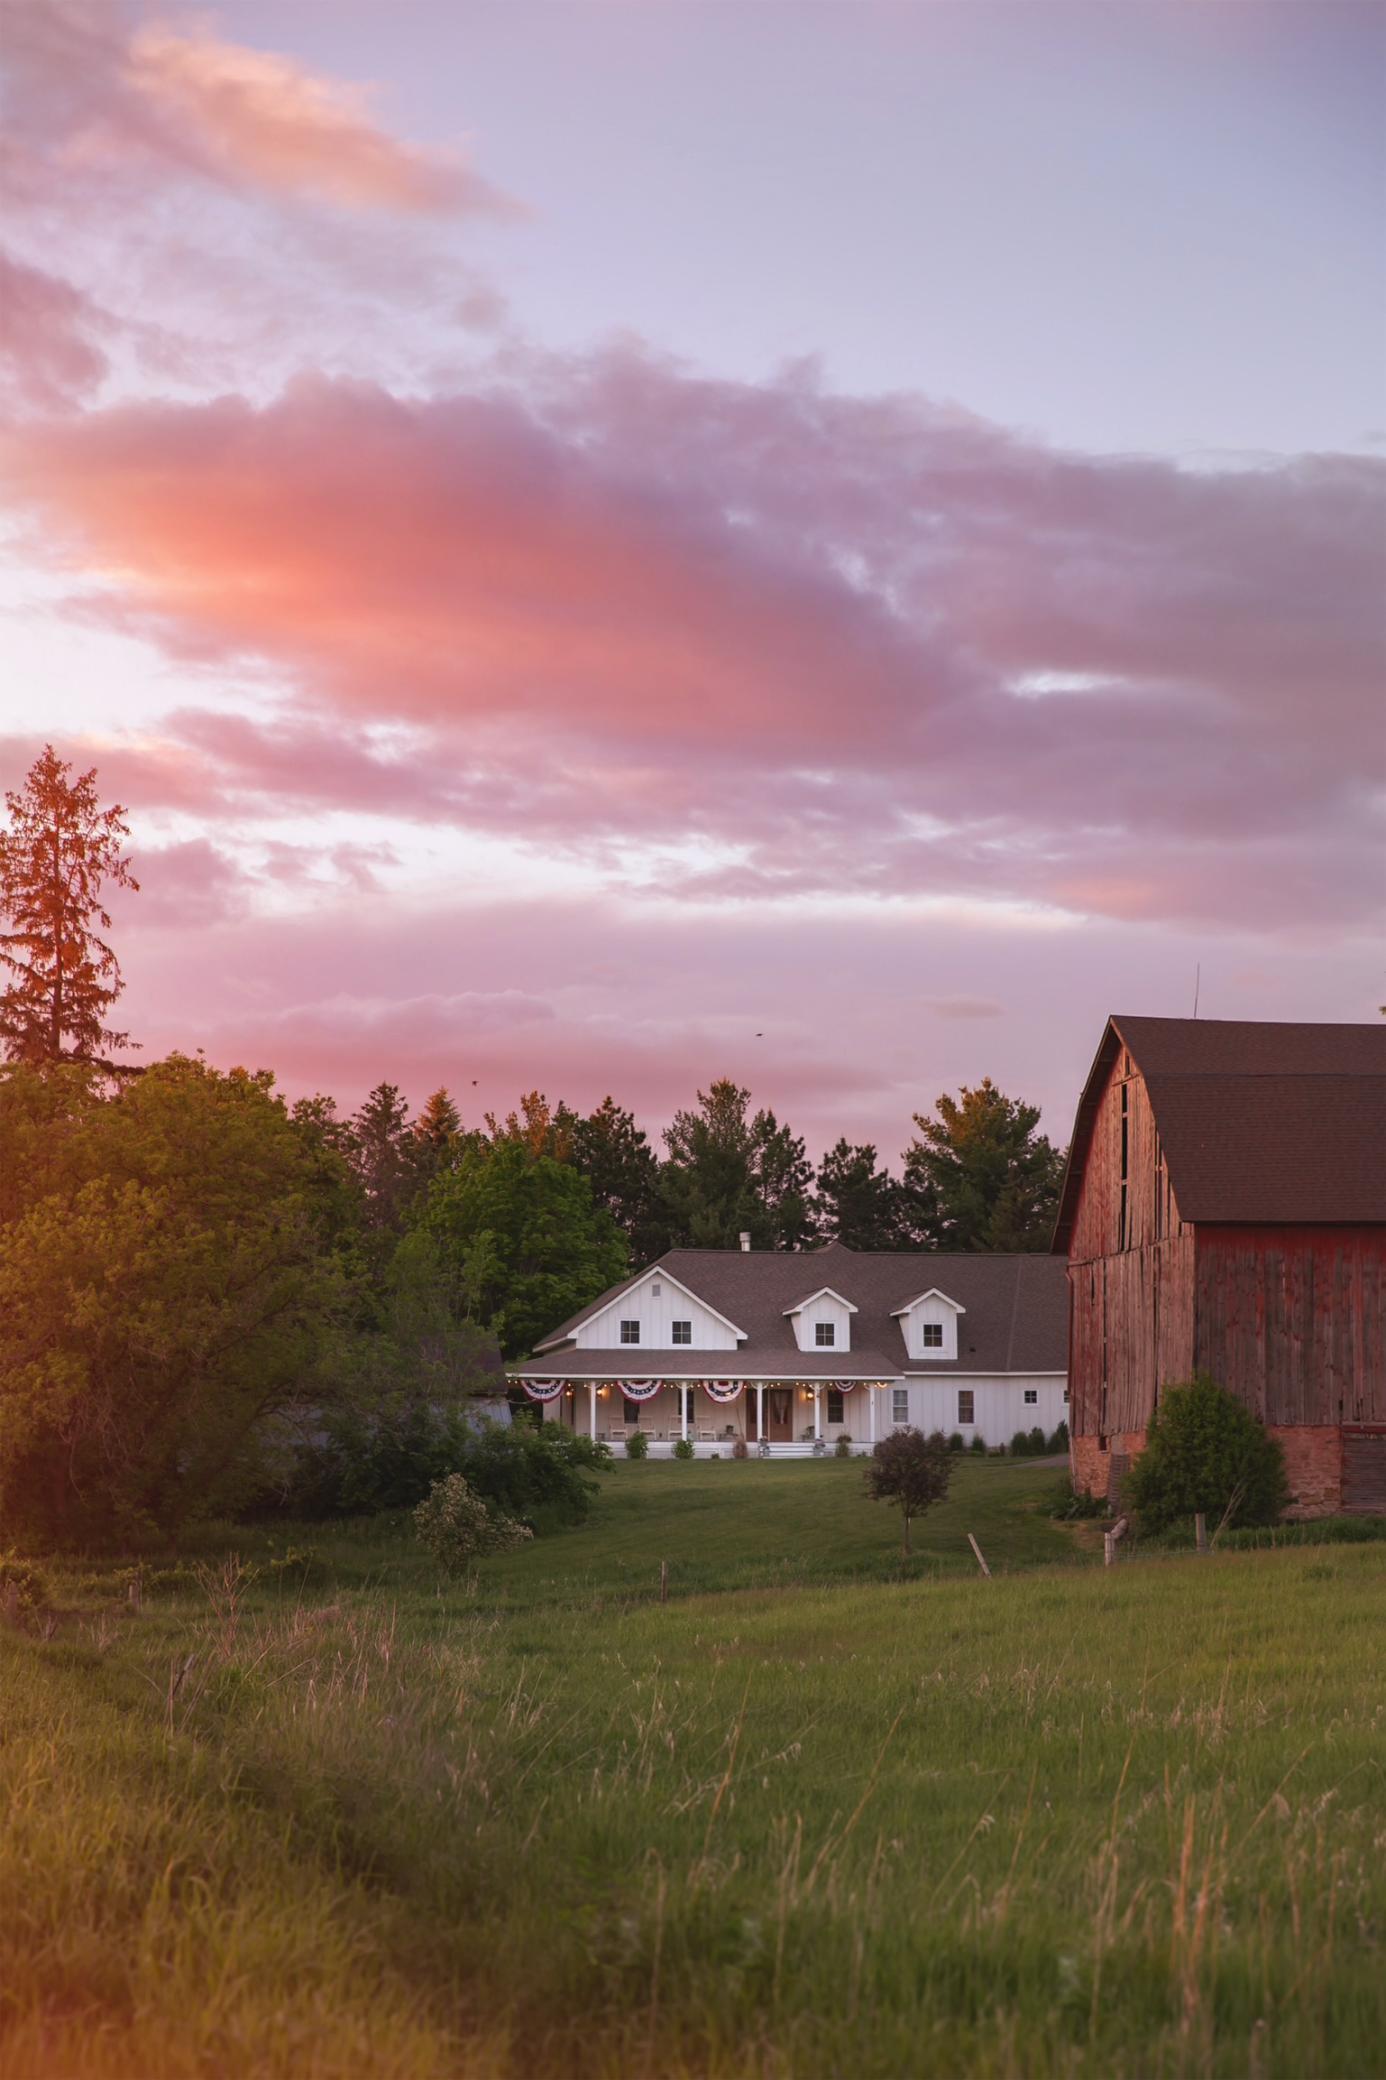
(770, 1418)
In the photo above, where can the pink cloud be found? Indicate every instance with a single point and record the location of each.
(95, 101)
(256, 116)
(47, 353)
(606, 601)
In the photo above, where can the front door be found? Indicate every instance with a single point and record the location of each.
(779, 1414)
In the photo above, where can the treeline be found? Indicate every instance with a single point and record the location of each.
(211, 1298)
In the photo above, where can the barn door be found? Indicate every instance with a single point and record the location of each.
(1364, 1469)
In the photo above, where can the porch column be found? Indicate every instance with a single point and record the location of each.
(760, 1412)
(871, 1393)
(685, 1389)
(817, 1413)
(592, 1418)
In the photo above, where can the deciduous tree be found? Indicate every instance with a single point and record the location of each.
(60, 850)
(164, 1294)
(910, 1470)
(521, 1240)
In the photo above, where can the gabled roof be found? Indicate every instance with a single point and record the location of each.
(1261, 1123)
(824, 1292)
(1016, 1313)
(933, 1293)
(659, 1269)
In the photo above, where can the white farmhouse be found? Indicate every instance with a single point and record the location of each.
(790, 1351)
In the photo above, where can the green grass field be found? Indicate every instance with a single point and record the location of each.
(808, 1819)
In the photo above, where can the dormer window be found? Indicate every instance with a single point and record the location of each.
(825, 1335)
(630, 1332)
(933, 1336)
(681, 1332)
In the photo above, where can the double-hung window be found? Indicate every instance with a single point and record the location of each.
(967, 1405)
(900, 1405)
(834, 1404)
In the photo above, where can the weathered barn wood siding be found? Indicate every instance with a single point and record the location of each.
(1294, 1320)
(1131, 1269)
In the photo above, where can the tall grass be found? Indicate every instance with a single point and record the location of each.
(1125, 1823)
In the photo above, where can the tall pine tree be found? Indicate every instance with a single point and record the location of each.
(61, 977)
(857, 1202)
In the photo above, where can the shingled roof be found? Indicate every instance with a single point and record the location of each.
(1016, 1317)
(1261, 1123)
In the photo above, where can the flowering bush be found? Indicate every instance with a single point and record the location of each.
(456, 1526)
(683, 1448)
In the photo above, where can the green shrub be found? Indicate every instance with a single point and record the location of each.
(1020, 1444)
(1059, 1441)
(978, 1444)
(1070, 1503)
(955, 1442)
(1205, 1451)
(535, 1471)
(739, 1449)
(843, 1448)
(30, 1582)
(637, 1445)
(456, 1527)
(682, 1450)
(1038, 1443)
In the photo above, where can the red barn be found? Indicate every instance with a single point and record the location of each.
(1224, 1211)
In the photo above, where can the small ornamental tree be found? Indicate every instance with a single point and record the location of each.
(910, 1470)
(456, 1526)
(1205, 1452)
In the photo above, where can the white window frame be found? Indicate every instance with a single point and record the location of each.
(825, 1336)
(900, 1407)
(630, 1332)
(931, 1336)
(967, 1422)
(1032, 1397)
(687, 1336)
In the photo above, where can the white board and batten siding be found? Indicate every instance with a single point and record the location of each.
(823, 1307)
(656, 1304)
(999, 1407)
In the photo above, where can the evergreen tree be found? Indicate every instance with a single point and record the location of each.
(782, 1180)
(615, 1157)
(856, 1202)
(381, 1146)
(729, 1175)
(437, 1139)
(62, 977)
(978, 1177)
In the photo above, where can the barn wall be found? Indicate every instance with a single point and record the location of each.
(1131, 1270)
(1293, 1321)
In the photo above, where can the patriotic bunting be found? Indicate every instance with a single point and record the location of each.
(543, 1389)
(640, 1389)
(723, 1391)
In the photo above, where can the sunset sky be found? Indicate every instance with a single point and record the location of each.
(611, 543)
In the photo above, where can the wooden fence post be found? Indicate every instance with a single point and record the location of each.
(1109, 1541)
(664, 1581)
(1200, 1531)
(981, 1562)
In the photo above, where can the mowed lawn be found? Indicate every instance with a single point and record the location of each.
(1068, 1821)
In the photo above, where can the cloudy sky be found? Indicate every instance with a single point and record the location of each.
(616, 542)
